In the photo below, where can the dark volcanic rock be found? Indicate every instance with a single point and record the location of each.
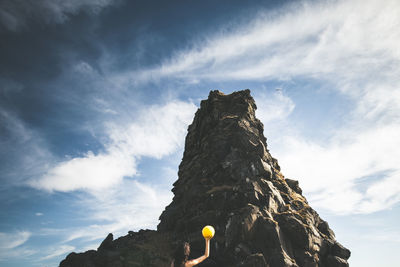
(255, 260)
(228, 179)
(107, 243)
(144, 248)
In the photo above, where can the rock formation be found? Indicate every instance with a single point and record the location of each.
(228, 179)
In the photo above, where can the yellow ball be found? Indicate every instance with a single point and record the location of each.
(208, 232)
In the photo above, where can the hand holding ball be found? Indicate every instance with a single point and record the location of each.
(208, 232)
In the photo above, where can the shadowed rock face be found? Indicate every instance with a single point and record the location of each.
(228, 179)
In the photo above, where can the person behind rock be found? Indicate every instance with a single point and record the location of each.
(181, 255)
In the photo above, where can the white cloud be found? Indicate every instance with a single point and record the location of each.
(16, 253)
(17, 14)
(13, 240)
(333, 174)
(90, 172)
(39, 214)
(12, 245)
(155, 132)
(158, 131)
(276, 106)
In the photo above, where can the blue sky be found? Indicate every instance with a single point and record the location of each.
(96, 97)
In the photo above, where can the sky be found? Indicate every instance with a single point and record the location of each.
(96, 97)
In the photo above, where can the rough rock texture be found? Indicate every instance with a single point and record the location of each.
(228, 179)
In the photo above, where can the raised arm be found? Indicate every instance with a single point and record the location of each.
(201, 258)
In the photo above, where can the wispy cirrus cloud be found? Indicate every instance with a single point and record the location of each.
(320, 40)
(13, 240)
(133, 205)
(12, 245)
(21, 146)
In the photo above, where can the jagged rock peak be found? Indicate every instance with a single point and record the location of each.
(225, 147)
(228, 179)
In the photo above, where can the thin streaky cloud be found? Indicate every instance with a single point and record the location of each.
(13, 240)
(325, 40)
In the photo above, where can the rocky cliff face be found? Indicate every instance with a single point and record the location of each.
(228, 179)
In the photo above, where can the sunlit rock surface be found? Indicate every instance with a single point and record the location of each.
(228, 179)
